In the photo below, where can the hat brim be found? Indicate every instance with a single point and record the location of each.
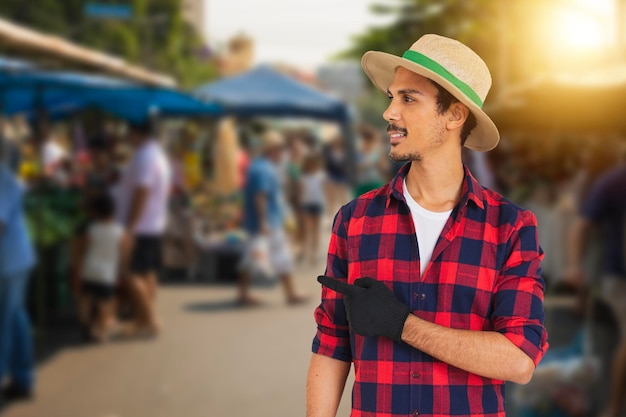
(380, 67)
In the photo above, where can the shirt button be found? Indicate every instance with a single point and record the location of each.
(415, 413)
(415, 375)
(423, 297)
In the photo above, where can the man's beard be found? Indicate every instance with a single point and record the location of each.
(405, 157)
(411, 156)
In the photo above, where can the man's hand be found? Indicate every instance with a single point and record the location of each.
(372, 308)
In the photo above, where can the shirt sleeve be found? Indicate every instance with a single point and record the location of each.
(333, 336)
(518, 303)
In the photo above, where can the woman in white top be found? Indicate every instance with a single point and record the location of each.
(312, 203)
(105, 254)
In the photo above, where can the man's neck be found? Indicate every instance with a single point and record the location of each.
(436, 183)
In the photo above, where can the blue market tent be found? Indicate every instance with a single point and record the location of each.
(27, 90)
(266, 92)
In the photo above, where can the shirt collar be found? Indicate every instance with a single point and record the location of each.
(472, 190)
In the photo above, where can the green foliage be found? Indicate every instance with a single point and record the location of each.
(155, 37)
(470, 21)
(473, 22)
(52, 215)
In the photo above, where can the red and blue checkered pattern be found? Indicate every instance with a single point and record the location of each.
(484, 274)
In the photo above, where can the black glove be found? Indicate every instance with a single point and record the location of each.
(372, 308)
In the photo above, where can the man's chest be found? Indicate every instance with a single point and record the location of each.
(459, 282)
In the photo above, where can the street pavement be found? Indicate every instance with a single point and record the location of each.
(212, 359)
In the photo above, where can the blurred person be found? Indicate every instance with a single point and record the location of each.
(17, 259)
(143, 199)
(9, 139)
(104, 259)
(101, 177)
(433, 285)
(264, 217)
(604, 208)
(337, 184)
(312, 204)
(179, 248)
(102, 174)
(297, 153)
(371, 161)
(54, 158)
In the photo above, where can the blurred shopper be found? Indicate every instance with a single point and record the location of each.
(143, 199)
(312, 203)
(337, 184)
(433, 286)
(54, 158)
(17, 259)
(264, 217)
(179, 248)
(605, 207)
(100, 178)
(105, 256)
(102, 174)
(372, 163)
(297, 152)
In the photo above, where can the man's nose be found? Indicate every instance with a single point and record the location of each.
(391, 113)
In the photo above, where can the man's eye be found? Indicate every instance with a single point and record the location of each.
(408, 99)
(389, 96)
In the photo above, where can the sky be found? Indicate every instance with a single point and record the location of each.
(302, 33)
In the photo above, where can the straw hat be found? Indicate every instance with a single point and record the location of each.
(271, 139)
(452, 65)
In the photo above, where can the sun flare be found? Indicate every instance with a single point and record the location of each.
(583, 25)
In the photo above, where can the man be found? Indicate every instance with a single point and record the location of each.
(433, 286)
(143, 198)
(17, 259)
(264, 219)
(604, 207)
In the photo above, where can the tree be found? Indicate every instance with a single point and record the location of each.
(499, 31)
(155, 37)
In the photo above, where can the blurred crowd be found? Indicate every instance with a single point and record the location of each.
(246, 202)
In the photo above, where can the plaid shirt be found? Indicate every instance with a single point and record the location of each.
(484, 275)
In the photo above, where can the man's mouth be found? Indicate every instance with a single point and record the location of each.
(396, 134)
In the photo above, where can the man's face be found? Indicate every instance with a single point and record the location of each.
(275, 154)
(415, 126)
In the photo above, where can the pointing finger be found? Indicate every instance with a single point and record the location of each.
(336, 285)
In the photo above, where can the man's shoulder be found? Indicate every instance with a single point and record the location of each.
(502, 211)
(370, 203)
(260, 167)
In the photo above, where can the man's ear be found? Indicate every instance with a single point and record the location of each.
(457, 115)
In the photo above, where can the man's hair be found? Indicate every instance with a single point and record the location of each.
(444, 101)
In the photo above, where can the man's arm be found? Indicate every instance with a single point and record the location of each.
(485, 353)
(260, 203)
(324, 386)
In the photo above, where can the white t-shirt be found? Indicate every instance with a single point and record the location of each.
(103, 253)
(149, 168)
(428, 227)
(312, 188)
